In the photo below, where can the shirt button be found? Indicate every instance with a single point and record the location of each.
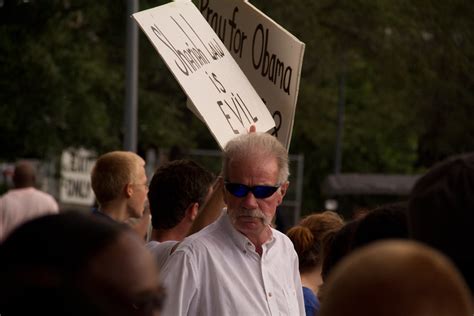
(270, 294)
(245, 251)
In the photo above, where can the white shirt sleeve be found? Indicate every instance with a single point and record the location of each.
(181, 281)
(298, 286)
(161, 250)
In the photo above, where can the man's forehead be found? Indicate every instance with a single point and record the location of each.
(254, 157)
(260, 167)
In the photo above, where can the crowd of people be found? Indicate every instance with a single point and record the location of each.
(189, 242)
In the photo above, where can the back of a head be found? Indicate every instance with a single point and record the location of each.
(173, 188)
(306, 248)
(42, 258)
(338, 247)
(24, 174)
(307, 237)
(112, 171)
(254, 146)
(394, 278)
(441, 211)
(384, 222)
(320, 223)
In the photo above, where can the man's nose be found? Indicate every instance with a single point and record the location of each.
(249, 201)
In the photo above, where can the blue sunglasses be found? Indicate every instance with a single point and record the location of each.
(259, 191)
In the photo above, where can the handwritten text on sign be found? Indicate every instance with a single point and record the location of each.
(221, 93)
(75, 184)
(270, 57)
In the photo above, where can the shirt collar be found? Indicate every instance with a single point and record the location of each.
(240, 240)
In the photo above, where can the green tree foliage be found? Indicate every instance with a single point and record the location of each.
(407, 68)
(164, 119)
(60, 85)
(408, 81)
(62, 82)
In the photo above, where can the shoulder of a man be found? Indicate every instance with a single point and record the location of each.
(10, 194)
(161, 250)
(182, 272)
(201, 239)
(46, 195)
(46, 198)
(281, 238)
(283, 242)
(198, 245)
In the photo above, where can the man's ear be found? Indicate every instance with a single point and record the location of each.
(222, 187)
(192, 211)
(128, 190)
(283, 189)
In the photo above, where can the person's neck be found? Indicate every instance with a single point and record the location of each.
(177, 233)
(259, 239)
(21, 187)
(115, 210)
(165, 235)
(312, 279)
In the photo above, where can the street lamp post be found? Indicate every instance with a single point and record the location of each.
(131, 82)
(340, 116)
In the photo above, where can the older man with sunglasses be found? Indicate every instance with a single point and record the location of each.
(239, 265)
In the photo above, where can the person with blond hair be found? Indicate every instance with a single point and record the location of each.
(307, 237)
(120, 185)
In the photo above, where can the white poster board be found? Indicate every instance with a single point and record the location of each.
(210, 77)
(75, 184)
(270, 56)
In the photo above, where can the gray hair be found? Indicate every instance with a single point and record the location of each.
(256, 144)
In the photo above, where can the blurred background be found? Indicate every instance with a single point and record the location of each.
(386, 91)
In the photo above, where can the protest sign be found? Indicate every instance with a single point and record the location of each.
(75, 184)
(270, 57)
(210, 77)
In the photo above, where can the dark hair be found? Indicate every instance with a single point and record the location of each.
(338, 246)
(42, 261)
(24, 174)
(441, 211)
(173, 188)
(384, 222)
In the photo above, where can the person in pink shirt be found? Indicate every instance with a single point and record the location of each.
(24, 202)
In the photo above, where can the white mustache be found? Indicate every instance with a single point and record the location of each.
(257, 213)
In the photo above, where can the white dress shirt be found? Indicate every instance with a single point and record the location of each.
(218, 272)
(161, 250)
